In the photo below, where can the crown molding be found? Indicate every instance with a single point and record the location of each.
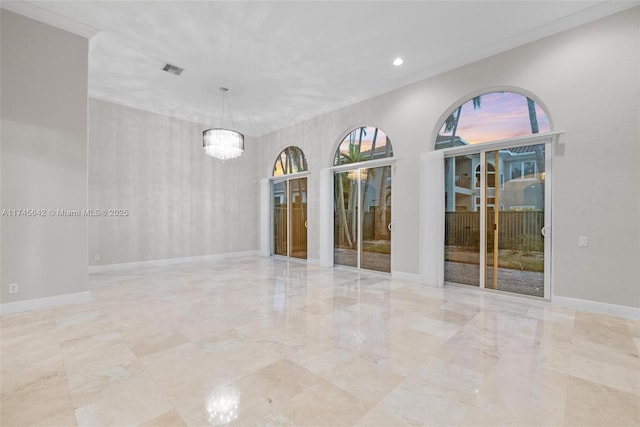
(46, 16)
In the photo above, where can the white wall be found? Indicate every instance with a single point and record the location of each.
(181, 202)
(588, 81)
(44, 158)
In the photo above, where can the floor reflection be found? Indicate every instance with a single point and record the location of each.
(263, 341)
(222, 405)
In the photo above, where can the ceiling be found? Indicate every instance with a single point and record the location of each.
(285, 62)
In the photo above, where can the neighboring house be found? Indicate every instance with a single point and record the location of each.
(518, 179)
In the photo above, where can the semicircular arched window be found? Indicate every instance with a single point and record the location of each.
(362, 144)
(290, 160)
(493, 116)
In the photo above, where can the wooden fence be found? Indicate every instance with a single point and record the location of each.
(518, 230)
(368, 225)
(298, 229)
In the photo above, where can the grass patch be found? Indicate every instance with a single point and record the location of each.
(377, 246)
(507, 258)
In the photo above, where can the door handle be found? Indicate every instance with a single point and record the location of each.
(389, 227)
(543, 231)
(306, 224)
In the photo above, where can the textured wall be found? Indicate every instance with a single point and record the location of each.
(180, 202)
(44, 158)
(588, 81)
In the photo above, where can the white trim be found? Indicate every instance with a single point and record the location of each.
(289, 200)
(432, 218)
(169, 261)
(548, 221)
(482, 150)
(364, 165)
(41, 303)
(54, 19)
(483, 219)
(597, 307)
(266, 212)
(325, 223)
(359, 219)
(523, 141)
(289, 176)
(411, 277)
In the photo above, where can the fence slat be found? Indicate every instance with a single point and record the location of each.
(518, 230)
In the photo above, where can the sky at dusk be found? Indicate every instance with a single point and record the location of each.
(367, 140)
(501, 115)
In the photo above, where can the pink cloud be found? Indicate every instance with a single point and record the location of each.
(500, 116)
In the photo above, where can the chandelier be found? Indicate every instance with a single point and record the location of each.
(221, 143)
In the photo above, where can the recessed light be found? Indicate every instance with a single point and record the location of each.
(398, 61)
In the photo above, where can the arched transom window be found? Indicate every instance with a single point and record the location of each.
(290, 160)
(362, 144)
(491, 117)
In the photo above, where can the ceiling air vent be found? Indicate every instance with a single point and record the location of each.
(172, 69)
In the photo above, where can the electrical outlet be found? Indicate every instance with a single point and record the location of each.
(13, 288)
(97, 257)
(583, 241)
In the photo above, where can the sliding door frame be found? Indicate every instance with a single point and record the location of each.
(285, 179)
(359, 166)
(482, 149)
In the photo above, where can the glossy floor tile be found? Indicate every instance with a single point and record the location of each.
(255, 341)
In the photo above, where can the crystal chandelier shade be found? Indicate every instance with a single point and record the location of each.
(221, 143)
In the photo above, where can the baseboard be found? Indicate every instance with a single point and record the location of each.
(401, 275)
(40, 303)
(597, 307)
(314, 261)
(169, 261)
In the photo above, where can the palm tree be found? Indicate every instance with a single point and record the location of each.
(353, 155)
(373, 143)
(451, 123)
(296, 158)
(381, 232)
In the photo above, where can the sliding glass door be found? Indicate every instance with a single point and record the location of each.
(298, 218)
(462, 220)
(346, 230)
(495, 217)
(515, 220)
(289, 221)
(497, 183)
(362, 222)
(280, 218)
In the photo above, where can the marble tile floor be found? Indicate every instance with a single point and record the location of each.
(255, 341)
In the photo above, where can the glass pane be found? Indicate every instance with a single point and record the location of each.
(362, 144)
(376, 217)
(345, 238)
(462, 221)
(516, 170)
(515, 245)
(290, 160)
(280, 218)
(491, 117)
(298, 200)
